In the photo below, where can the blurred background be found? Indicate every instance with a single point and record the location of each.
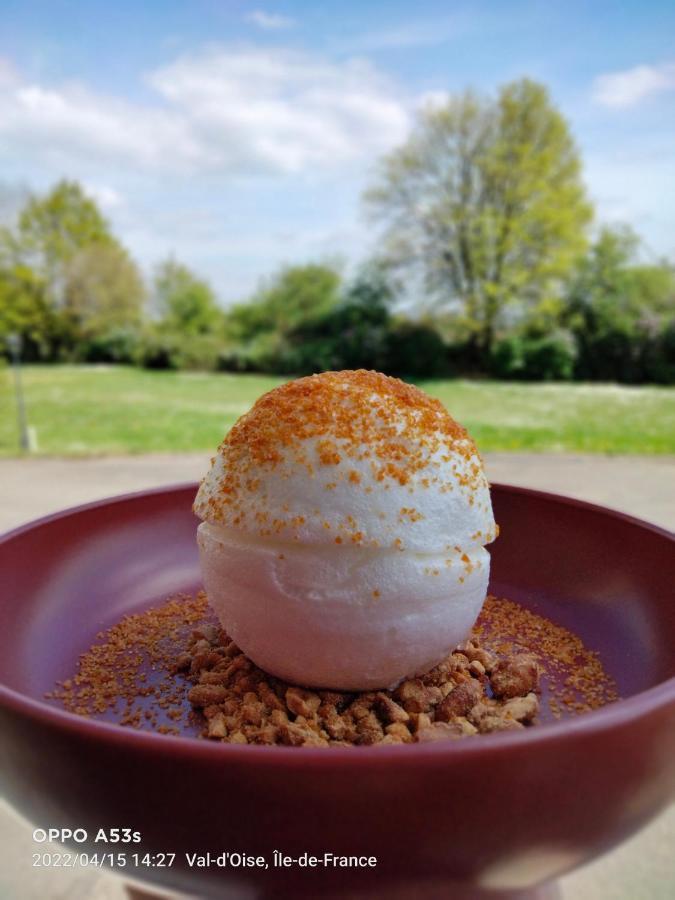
(201, 199)
(198, 199)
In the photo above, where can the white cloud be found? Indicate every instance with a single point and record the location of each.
(630, 87)
(222, 111)
(71, 126)
(106, 197)
(283, 110)
(424, 33)
(269, 21)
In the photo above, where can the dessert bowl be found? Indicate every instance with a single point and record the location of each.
(497, 813)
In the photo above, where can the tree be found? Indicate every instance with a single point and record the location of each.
(185, 303)
(485, 202)
(103, 290)
(53, 228)
(618, 308)
(24, 310)
(351, 333)
(295, 296)
(64, 276)
(611, 286)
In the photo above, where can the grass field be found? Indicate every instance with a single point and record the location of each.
(81, 410)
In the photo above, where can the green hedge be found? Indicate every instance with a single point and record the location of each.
(550, 358)
(357, 336)
(173, 352)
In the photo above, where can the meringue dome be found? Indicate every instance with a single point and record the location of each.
(344, 526)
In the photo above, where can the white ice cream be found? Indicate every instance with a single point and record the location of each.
(344, 524)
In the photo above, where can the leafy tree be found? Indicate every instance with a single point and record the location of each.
(618, 309)
(24, 310)
(416, 350)
(485, 202)
(356, 331)
(61, 262)
(601, 280)
(350, 334)
(295, 296)
(185, 303)
(372, 289)
(103, 290)
(53, 228)
(613, 283)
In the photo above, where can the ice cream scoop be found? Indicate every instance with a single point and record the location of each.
(344, 523)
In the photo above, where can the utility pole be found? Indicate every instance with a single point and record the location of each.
(14, 345)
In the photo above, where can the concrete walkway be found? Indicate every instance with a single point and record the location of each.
(642, 869)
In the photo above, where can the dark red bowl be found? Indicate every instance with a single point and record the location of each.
(503, 811)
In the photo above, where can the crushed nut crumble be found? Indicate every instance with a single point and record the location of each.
(170, 670)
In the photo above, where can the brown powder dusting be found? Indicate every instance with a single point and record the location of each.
(127, 677)
(173, 671)
(576, 680)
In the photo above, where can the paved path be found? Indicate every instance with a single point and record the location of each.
(642, 869)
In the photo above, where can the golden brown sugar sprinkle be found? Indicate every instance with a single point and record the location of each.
(375, 411)
(577, 681)
(127, 674)
(173, 671)
(396, 428)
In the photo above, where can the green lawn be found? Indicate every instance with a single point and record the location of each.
(80, 410)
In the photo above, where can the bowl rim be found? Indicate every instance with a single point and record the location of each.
(617, 714)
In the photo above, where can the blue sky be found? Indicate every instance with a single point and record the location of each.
(239, 136)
